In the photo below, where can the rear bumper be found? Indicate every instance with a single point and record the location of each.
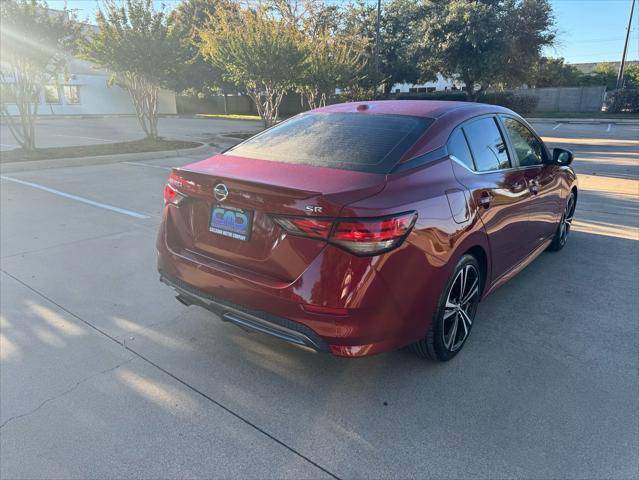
(247, 319)
(384, 312)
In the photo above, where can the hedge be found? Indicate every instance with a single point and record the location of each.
(619, 101)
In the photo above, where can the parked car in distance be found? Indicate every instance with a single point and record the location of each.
(359, 228)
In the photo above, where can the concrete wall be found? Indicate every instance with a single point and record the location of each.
(567, 99)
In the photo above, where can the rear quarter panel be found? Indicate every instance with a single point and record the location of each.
(416, 273)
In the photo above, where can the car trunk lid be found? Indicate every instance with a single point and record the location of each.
(257, 190)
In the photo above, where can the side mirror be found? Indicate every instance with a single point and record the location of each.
(562, 157)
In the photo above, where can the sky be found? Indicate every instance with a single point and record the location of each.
(588, 30)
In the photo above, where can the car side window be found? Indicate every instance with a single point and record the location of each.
(529, 149)
(487, 145)
(458, 147)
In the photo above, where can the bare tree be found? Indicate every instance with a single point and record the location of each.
(34, 46)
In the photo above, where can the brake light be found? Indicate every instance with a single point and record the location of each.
(370, 236)
(373, 236)
(306, 226)
(171, 193)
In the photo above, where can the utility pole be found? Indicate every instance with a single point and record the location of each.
(625, 48)
(379, 10)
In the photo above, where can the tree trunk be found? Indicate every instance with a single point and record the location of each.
(471, 94)
(267, 102)
(27, 88)
(145, 101)
(226, 103)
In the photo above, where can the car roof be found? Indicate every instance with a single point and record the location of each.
(415, 108)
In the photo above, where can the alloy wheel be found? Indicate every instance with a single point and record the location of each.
(460, 307)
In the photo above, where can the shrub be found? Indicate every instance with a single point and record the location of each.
(504, 99)
(520, 103)
(619, 101)
(525, 103)
(458, 96)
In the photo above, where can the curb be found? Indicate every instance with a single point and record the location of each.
(31, 165)
(587, 121)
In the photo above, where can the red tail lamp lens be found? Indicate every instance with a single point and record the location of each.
(370, 236)
(373, 231)
(171, 193)
(306, 226)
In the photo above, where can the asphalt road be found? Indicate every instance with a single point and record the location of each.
(105, 375)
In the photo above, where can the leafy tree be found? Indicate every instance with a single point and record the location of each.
(631, 75)
(34, 47)
(136, 42)
(554, 72)
(198, 76)
(331, 62)
(264, 53)
(400, 32)
(485, 42)
(604, 74)
(528, 28)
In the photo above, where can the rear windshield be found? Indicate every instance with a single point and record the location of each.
(350, 141)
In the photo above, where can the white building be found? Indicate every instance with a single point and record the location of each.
(440, 85)
(87, 92)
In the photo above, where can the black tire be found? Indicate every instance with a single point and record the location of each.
(435, 345)
(563, 229)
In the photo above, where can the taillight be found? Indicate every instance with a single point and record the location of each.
(171, 189)
(306, 226)
(373, 236)
(366, 236)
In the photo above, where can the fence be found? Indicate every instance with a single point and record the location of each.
(236, 104)
(556, 99)
(566, 99)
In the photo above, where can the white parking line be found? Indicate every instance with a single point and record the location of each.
(140, 164)
(123, 211)
(80, 136)
(557, 126)
(609, 127)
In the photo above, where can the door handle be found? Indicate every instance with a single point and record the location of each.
(484, 199)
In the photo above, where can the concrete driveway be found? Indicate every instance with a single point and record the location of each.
(105, 375)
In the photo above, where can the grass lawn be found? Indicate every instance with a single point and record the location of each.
(136, 146)
(602, 115)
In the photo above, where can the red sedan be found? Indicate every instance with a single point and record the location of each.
(360, 228)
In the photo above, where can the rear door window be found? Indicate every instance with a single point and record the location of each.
(350, 141)
(487, 144)
(458, 148)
